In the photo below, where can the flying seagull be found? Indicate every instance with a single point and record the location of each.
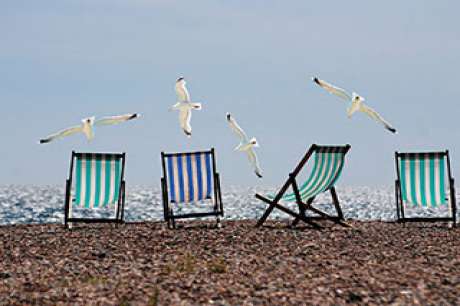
(357, 103)
(246, 145)
(86, 127)
(184, 106)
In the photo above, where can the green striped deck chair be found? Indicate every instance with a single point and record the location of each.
(191, 179)
(95, 181)
(424, 180)
(327, 167)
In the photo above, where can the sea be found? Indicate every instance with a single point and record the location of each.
(27, 204)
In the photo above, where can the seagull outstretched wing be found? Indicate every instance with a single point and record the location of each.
(115, 119)
(339, 92)
(374, 115)
(181, 91)
(62, 133)
(236, 128)
(254, 161)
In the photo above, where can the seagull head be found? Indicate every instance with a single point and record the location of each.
(356, 97)
(254, 142)
(89, 120)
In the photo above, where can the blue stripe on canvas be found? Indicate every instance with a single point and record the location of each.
(209, 175)
(199, 176)
(172, 192)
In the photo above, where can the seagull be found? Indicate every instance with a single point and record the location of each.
(246, 145)
(184, 106)
(87, 125)
(357, 103)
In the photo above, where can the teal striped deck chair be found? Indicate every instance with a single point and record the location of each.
(326, 169)
(95, 181)
(190, 179)
(424, 180)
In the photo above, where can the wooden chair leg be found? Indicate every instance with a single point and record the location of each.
(335, 200)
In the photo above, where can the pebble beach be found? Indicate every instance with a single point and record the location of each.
(372, 263)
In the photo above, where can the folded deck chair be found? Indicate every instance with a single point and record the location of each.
(99, 183)
(327, 167)
(424, 180)
(190, 178)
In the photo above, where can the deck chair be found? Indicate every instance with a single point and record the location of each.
(190, 178)
(424, 180)
(327, 167)
(99, 183)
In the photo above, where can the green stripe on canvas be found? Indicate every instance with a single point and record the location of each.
(88, 183)
(318, 175)
(433, 181)
(78, 181)
(442, 177)
(402, 178)
(98, 183)
(413, 192)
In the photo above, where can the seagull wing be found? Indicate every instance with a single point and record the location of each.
(182, 92)
(185, 116)
(115, 119)
(63, 133)
(339, 92)
(254, 161)
(236, 128)
(374, 115)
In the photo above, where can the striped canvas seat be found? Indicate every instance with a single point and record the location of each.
(97, 180)
(189, 177)
(423, 179)
(328, 165)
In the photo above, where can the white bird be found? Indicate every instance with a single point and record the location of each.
(87, 125)
(246, 145)
(357, 103)
(184, 106)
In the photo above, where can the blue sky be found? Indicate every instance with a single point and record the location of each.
(65, 60)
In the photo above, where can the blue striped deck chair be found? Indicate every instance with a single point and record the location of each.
(424, 180)
(190, 179)
(98, 183)
(327, 167)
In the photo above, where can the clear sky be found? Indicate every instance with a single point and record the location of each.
(63, 60)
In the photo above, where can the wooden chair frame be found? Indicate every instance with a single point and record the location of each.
(119, 216)
(304, 206)
(168, 212)
(400, 214)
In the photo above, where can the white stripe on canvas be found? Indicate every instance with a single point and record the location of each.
(83, 182)
(102, 183)
(316, 173)
(321, 176)
(428, 178)
(195, 177)
(93, 182)
(112, 181)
